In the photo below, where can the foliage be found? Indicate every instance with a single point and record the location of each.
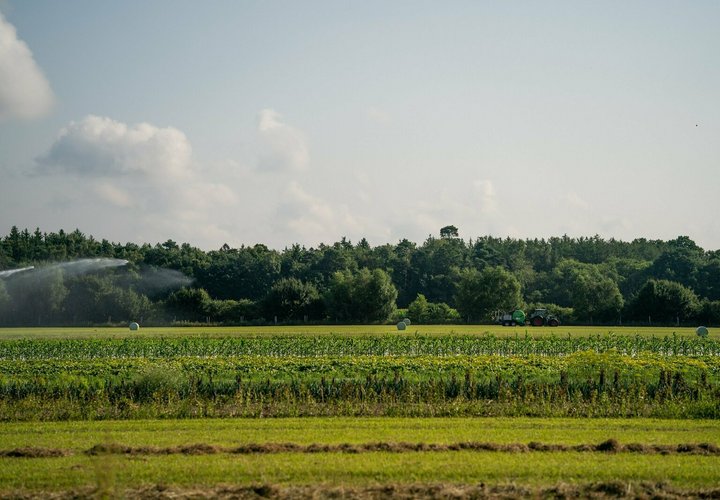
(424, 312)
(291, 299)
(189, 304)
(599, 279)
(482, 292)
(582, 383)
(589, 291)
(665, 301)
(364, 296)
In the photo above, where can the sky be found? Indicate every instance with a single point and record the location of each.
(282, 122)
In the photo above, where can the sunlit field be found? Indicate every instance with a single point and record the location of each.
(281, 454)
(360, 411)
(345, 330)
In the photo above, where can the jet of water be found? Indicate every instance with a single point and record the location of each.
(10, 272)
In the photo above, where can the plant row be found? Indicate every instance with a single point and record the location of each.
(388, 345)
(650, 385)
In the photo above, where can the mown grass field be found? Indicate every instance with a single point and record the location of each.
(229, 431)
(457, 467)
(344, 330)
(52, 474)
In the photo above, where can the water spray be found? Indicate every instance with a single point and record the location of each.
(10, 272)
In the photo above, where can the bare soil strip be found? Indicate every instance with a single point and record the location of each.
(615, 489)
(35, 452)
(609, 446)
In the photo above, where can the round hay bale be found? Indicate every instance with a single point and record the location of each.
(402, 325)
(134, 326)
(701, 331)
(407, 321)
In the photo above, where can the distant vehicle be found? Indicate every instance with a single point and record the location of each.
(516, 317)
(539, 317)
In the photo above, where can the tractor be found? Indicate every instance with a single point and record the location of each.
(541, 317)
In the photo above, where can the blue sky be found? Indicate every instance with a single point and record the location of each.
(284, 122)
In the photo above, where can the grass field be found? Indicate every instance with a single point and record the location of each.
(349, 330)
(82, 435)
(456, 467)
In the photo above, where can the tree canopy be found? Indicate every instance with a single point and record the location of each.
(587, 278)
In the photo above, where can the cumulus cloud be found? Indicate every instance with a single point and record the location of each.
(100, 146)
(309, 218)
(24, 90)
(113, 194)
(282, 147)
(472, 206)
(140, 177)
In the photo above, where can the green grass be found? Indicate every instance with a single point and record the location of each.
(227, 432)
(371, 468)
(350, 330)
(342, 469)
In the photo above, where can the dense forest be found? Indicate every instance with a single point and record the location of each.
(587, 280)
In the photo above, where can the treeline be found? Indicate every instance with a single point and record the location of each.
(444, 279)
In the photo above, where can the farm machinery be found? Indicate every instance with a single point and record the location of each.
(539, 317)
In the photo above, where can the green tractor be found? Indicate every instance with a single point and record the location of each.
(541, 317)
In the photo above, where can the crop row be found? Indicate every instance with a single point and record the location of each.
(298, 345)
(226, 375)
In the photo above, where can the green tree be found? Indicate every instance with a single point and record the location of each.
(291, 299)
(189, 304)
(680, 262)
(709, 312)
(665, 301)
(449, 232)
(482, 292)
(422, 311)
(417, 310)
(364, 296)
(436, 266)
(97, 299)
(591, 293)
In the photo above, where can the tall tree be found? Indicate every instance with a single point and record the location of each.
(588, 290)
(364, 296)
(482, 292)
(291, 299)
(665, 301)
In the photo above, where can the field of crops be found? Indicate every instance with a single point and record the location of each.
(382, 384)
(342, 330)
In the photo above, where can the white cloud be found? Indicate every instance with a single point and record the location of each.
(114, 195)
(311, 219)
(282, 147)
(484, 194)
(24, 90)
(141, 177)
(472, 206)
(100, 146)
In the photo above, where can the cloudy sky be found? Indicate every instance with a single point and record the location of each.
(274, 122)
